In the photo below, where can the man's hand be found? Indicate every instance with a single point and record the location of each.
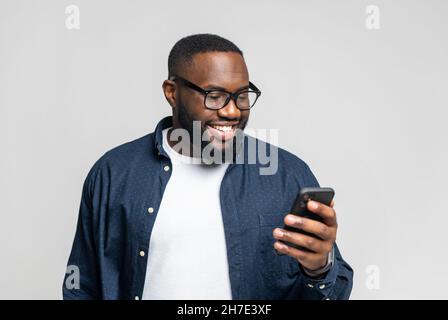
(325, 232)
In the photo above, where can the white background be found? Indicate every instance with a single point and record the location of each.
(366, 109)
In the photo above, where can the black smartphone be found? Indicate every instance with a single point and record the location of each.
(299, 207)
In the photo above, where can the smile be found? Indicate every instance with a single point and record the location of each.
(222, 132)
(223, 128)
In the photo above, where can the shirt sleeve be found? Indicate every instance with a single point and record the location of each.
(338, 282)
(81, 281)
(335, 285)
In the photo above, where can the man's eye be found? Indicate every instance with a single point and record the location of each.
(216, 96)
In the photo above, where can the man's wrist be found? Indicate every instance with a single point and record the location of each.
(319, 272)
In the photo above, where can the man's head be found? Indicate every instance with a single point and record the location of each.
(211, 63)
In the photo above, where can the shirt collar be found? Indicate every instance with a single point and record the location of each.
(158, 136)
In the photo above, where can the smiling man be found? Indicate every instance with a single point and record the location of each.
(154, 224)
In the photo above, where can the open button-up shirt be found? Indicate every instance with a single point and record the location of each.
(120, 200)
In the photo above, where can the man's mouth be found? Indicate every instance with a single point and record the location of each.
(222, 132)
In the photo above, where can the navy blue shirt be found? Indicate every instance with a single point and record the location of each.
(114, 225)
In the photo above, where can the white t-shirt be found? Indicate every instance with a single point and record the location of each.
(187, 257)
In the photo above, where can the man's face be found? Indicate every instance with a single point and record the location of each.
(211, 70)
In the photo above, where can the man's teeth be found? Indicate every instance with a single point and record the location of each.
(222, 128)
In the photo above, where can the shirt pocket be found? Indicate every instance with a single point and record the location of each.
(274, 267)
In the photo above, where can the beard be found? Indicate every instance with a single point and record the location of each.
(212, 151)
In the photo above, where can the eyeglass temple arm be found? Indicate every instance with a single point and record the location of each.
(187, 83)
(253, 87)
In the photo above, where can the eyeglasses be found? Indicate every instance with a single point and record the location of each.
(215, 99)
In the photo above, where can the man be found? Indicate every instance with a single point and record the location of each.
(153, 224)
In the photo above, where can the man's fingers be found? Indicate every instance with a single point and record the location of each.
(304, 257)
(311, 243)
(317, 228)
(326, 212)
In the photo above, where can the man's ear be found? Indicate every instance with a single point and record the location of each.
(169, 89)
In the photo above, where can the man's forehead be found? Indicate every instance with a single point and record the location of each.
(226, 69)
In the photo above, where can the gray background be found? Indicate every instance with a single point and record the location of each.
(366, 109)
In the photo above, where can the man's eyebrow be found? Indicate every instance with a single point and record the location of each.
(216, 87)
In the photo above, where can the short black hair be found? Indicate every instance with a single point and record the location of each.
(185, 48)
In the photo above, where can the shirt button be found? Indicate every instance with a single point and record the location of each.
(150, 210)
(166, 168)
(137, 298)
(310, 285)
(142, 253)
(322, 286)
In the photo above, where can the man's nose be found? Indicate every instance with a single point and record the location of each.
(230, 111)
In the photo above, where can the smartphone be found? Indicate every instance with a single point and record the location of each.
(299, 208)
